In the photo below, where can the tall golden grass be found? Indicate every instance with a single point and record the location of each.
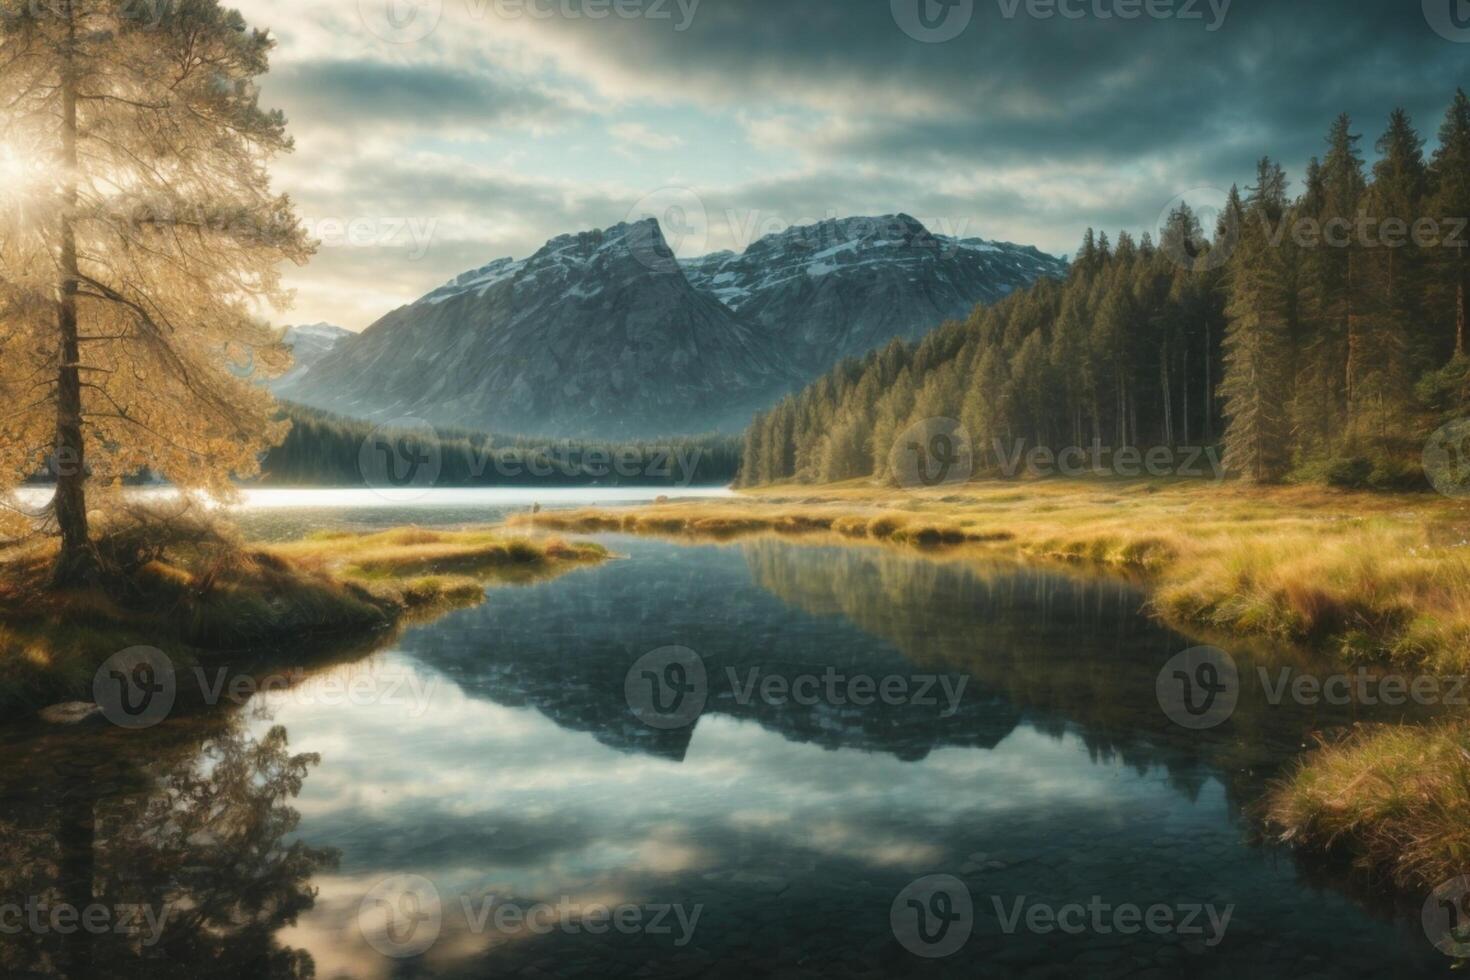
(199, 592)
(1369, 576)
(1395, 799)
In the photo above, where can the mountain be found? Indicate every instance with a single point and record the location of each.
(309, 344)
(598, 334)
(846, 286)
(604, 334)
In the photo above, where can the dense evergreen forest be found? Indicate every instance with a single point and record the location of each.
(328, 450)
(1317, 338)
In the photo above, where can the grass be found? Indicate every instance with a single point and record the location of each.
(1394, 799)
(1368, 577)
(199, 593)
(413, 556)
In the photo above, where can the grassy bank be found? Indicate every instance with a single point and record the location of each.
(1396, 800)
(199, 593)
(1365, 577)
(1371, 577)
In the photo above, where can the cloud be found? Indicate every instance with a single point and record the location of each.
(635, 138)
(353, 94)
(507, 124)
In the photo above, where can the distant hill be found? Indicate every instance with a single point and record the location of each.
(309, 344)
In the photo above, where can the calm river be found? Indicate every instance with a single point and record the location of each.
(750, 759)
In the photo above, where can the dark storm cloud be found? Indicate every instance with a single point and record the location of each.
(417, 95)
(1022, 128)
(1017, 89)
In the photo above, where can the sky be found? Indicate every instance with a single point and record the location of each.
(434, 136)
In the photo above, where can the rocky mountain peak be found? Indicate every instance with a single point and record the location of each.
(605, 333)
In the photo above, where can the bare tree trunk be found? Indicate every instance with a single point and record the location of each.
(1132, 416)
(1353, 347)
(1121, 406)
(1209, 388)
(1168, 389)
(1184, 399)
(75, 560)
(1460, 302)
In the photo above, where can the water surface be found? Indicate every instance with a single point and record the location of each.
(493, 754)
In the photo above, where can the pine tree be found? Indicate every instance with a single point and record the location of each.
(986, 414)
(1128, 349)
(1227, 226)
(1087, 257)
(1257, 439)
(750, 460)
(1450, 176)
(147, 238)
(1335, 270)
(1395, 341)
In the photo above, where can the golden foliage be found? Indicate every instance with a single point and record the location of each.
(179, 238)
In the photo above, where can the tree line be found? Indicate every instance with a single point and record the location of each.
(322, 449)
(1320, 337)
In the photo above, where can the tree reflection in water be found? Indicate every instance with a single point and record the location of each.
(195, 834)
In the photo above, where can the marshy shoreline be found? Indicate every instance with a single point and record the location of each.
(206, 598)
(1374, 581)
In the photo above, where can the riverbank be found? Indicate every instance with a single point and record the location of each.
(1394, 799)
(1370, 577)
(199, 593)
(1367, 578)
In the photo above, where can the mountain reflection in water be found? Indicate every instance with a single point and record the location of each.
(525, 778)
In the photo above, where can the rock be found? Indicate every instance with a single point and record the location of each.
(70, 713)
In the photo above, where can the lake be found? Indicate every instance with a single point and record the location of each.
(758, 758)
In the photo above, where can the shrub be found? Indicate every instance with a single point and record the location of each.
(1350, 473)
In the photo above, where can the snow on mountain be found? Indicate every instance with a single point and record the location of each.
(845, 286)
(598, 334)
(309, 344)
(606, 334)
